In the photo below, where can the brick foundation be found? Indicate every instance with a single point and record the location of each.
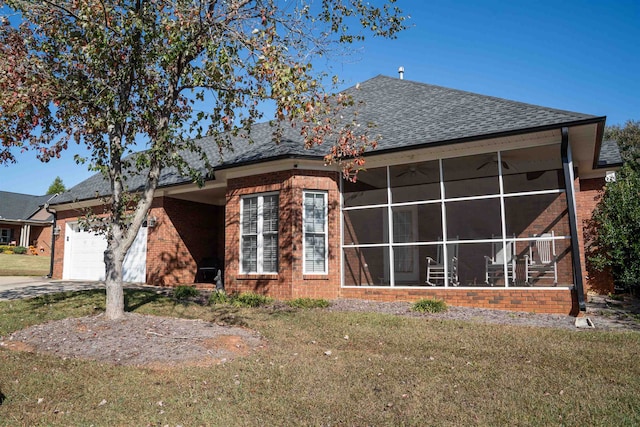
(560, 301)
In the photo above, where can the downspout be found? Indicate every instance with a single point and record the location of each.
(567, 166)
(53, 235)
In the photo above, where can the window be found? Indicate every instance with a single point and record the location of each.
(314, 218)
(259, 234)
(5, 235)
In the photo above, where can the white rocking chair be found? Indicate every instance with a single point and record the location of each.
(495, 264)
(542, 258)
(435, 270)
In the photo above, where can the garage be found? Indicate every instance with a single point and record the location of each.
(84, 256)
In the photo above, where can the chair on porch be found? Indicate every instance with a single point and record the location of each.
(542, 258)
(211, 271)
(435, 270)
(495, 264)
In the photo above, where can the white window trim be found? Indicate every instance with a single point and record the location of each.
(260, 233)
(325, 232)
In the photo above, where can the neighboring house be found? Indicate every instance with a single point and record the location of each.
(25, 222)
(476, 200)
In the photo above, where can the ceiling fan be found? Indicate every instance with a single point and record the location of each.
(412, 171)
(492, 160)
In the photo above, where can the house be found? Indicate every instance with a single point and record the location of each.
(25, 222)
(476, 200)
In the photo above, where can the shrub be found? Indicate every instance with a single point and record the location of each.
(250, 299)
(21, 250)
(429, 305)
(184, 292)
(5, 248)
(612, 233)
(219, 297)
(308, 303)
(615, 297)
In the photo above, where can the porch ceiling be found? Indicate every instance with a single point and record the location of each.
(206, 195)
(584, 148)
(583, 140)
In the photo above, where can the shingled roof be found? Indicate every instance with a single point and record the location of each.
(406, 114)
(609, 154)
(17, 206)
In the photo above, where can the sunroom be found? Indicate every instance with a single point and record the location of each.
(494, 219)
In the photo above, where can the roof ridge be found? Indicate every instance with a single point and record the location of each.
(22, 194)
(468, 92)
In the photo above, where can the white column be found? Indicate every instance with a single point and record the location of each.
(24, 235)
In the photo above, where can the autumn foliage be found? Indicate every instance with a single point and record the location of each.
(108, 74)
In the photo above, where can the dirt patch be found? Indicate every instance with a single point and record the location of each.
(138, 340)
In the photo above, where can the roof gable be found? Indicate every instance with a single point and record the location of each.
(17, 206)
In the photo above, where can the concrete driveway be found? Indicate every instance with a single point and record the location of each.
(17, 287)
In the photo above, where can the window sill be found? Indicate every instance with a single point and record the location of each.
(315, 277)
(257, 276)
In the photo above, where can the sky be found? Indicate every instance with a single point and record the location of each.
(576, 55)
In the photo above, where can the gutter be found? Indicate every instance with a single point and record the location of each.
(53, 231)
(567, 166)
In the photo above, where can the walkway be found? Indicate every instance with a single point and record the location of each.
(17, 287)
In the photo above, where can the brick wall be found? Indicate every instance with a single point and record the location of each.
(41, 239)
(185, 233)
(534, 215)
(587, 197)
(290, 281)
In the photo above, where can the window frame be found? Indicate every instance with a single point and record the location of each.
(2, 230)
(325, 232)
(260, 233)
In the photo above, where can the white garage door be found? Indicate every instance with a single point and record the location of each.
(84, 256)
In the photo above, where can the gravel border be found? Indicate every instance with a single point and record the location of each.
(601, 318)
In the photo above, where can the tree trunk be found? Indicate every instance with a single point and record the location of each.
(113, 260)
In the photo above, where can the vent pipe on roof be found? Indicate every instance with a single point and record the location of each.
(401, 72)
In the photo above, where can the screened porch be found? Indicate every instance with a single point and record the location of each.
(490, 220)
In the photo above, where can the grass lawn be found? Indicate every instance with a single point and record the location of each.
(24, 265)
(390, 370)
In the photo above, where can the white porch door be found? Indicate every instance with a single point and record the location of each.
(405, 258)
